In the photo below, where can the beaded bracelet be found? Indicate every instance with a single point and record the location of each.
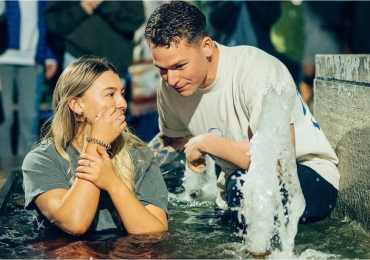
(99, 142)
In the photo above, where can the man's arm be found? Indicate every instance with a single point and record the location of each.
(167, 150)
(235, 152)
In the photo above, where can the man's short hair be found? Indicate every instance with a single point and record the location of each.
(174, 21)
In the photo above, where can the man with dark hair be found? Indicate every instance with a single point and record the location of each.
(209, 102)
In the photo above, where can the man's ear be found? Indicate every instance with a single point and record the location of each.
(75, 106)
(207, 45)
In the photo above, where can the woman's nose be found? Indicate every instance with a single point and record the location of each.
(121, 103)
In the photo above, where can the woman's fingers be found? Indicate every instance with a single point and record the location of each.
(84, 176)
(88, 156)
(100, 113)
(109, 125)
(84, 162)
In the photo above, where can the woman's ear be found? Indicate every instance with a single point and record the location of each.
(75, 106)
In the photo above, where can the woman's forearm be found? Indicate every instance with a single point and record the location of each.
(78, 208)
(136, 218)
(71, 210)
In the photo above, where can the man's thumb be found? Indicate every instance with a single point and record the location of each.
(102, 151)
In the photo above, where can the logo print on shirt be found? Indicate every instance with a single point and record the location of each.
(216, 131)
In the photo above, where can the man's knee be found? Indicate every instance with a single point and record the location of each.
(319, 194)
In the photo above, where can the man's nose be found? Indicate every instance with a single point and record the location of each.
(172, 77)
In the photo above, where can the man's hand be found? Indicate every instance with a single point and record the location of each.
(50, 69)
(194, 154)
(90, 6)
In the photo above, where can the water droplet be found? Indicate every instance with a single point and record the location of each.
(317, 179)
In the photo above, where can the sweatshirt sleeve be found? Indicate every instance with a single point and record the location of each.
(63, 16)
(124, 16)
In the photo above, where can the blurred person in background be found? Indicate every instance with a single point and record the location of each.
(357, 21)
(323, 35)
(144, 78)
(287, 36)
(3, 45)
(25, 62)
(100, 28)
(235, 23)
(2, 9)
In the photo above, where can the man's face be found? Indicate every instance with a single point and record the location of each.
(182, 66)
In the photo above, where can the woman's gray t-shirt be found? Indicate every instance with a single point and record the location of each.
(44, 170)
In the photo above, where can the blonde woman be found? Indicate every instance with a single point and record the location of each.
(89, 172)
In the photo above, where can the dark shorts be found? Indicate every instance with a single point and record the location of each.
(319, 194)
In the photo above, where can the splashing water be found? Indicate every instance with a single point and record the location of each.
(273, 200)
(201, 186)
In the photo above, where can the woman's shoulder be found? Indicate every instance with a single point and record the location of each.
(44, 151)
(45, 148)
(141, 153)
(143, 161)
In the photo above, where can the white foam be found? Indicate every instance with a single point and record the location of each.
(265, 214)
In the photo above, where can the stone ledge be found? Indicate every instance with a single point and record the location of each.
(342, 105)
(353, 68)
(7, 177)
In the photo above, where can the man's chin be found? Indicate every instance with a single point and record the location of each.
(186, 93)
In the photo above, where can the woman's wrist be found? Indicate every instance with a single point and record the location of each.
(116, 185)
(98, 141)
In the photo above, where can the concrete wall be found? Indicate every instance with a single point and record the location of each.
(342, 108)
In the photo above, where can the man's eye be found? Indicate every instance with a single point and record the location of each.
(180, 66)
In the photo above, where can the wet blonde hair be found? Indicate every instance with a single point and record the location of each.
(65, 124)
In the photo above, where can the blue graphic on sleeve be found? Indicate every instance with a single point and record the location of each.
(315, 124)
(302, 102)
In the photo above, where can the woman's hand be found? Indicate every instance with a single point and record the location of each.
(108, 125)
(195, 154)
(97, 169)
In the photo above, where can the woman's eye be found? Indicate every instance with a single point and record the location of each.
(110, 95)
(180, 66)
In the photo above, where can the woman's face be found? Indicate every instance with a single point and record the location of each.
(106, 91)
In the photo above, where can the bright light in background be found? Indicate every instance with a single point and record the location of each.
(296, 2)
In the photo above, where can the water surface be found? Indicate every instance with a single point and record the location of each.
(197, 230)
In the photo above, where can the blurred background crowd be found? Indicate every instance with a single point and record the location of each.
(38, 39)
